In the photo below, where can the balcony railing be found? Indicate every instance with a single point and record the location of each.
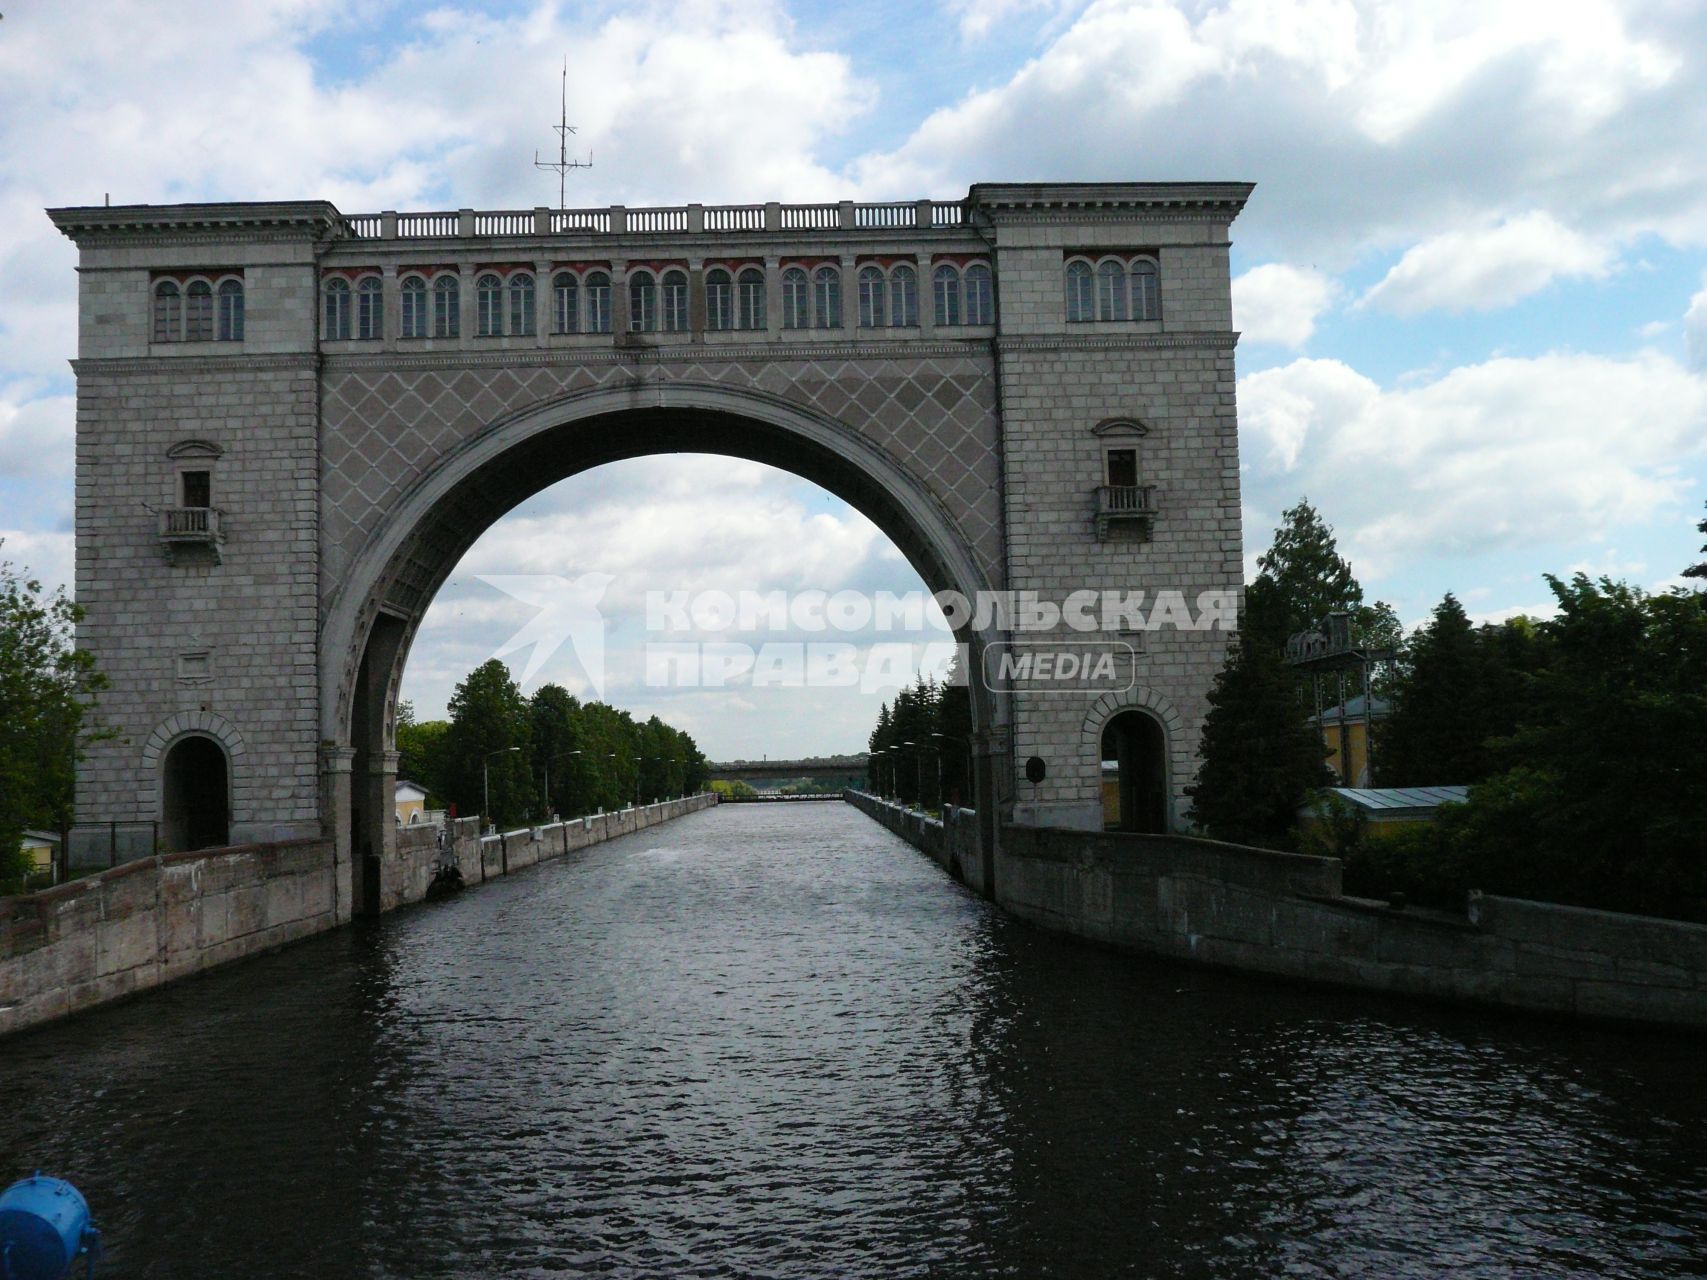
(182, 527)
(1120, 503)
(846, 215)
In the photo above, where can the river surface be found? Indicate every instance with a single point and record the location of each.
(773, 1040)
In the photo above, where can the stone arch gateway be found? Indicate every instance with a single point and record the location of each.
(354, 470)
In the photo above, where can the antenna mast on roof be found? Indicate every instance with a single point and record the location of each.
(563, 163)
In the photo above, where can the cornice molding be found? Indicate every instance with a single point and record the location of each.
(194, 223)
(686, 353)
(1202, 338)
(176, 365)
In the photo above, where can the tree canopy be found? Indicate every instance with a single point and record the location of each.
(47, 688)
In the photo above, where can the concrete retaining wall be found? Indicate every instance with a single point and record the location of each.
(161, 918)
(951, 841)
(1284, 914)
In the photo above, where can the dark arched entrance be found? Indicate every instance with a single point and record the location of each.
(195, 797)
(1135, 774)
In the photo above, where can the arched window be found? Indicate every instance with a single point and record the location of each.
(198, 312)
(370, 308)
(827, 298)
(231, 311)
(447, 308)
(565, 303)
(1111, 291)
(488, 308)
(904, 297)
(750, 299)
(598, 302)
(520, 288)
(675, 299)
(871, 311)
(337, 310)
(412, 319)
(168, 312)
(946, 294)
(1146, 290)
(642, 303)
(719, 300)
(980, 297)
(1080, 292)
(796, 299)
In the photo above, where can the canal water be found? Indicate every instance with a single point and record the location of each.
(772, 1040)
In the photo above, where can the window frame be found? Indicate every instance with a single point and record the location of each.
(827, 297)
(370, 309)
(447, 305)
(642, 301)
(903, 296)
(1080, 291)
(945, 295)
(198, 310)
(414, 310)
(873, 294)
(673, 312)
(228, 310)
(796, 298)
(488, 305)
(719, 300)
(1146, 267)
(168, 323)
(596, 286)
(750, 308)
(520, 302)
(335, 309)
(565, 302)
(979, 274)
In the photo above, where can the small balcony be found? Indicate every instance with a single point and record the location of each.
(1127, 506)
(192, 529)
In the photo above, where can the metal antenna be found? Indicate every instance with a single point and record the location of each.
(563, 163)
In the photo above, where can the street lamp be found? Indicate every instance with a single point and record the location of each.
(949, 737)
(486, 781)
(918, 772)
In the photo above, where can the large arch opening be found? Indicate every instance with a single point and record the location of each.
(378, 608)
(195, 799)
(1135, 774)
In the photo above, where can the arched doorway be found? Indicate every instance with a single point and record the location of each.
(195, 796)
(1134, 762)
(384, 593)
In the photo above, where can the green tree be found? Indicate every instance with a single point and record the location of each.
(47, 688)
(1602, 800)
(1260, 759)
(421, 753)
(559, 751)
(490, 736)
(1698, 570)
(1437, 728)
(1305, 574)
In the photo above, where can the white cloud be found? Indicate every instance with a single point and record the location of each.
(1366, 124)
(1279, 303)
(1478, 269)
(1505, 454)
(979, 17)
(1695, 327)
(37, 436)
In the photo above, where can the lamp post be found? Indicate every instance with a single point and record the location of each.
(562, 755)
(874, 770)
(918, 772)
(486, 782)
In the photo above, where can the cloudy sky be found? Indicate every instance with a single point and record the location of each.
(1471, 281)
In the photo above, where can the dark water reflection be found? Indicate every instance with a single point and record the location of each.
(774, 1041)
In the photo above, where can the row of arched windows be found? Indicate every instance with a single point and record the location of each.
(657, 301)
(198, 312)
(1113, 289)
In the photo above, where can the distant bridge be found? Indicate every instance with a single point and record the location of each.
(786, 770)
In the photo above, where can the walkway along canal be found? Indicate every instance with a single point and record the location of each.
(774, 1041)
